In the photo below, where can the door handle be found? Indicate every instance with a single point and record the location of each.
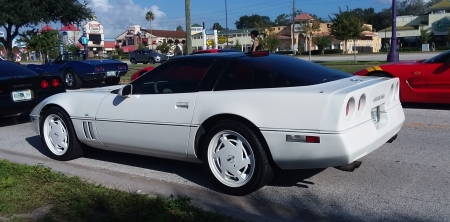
(182, 105)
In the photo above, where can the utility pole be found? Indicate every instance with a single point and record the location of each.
(226, 21)
(393, 54)
(292, 29)
(188, 27)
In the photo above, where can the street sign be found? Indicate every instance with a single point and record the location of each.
(84, 40)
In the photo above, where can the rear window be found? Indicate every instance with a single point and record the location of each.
(274, 71)
(10, 69)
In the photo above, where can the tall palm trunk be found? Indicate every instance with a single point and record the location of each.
(309, 46)
(151, 34)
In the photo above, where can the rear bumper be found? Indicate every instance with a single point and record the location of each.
(101, 76)
(334, 149)
(7, 106)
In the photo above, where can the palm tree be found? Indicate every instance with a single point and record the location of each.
(149, 16)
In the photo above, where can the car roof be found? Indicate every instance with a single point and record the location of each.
(215, 51)
(207, 56)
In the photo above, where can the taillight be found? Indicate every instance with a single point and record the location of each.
(348, 108)
(362, 102)
(55, 83)
(312, 139)
(302, 139)
(99, 69)
(44, 84)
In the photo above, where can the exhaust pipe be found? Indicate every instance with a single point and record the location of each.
(392, 139)
(350, 167)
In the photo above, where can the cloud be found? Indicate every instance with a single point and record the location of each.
(389, 2)
(117, 15)
(385, 1)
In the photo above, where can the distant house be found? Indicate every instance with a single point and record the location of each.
(130, 39)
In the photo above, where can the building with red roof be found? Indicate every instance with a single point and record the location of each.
(46, 28)
(130, 39)
(69, 27)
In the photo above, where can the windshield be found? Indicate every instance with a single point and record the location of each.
(72, 57)
(441, 58)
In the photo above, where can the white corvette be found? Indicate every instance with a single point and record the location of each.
(242, 115)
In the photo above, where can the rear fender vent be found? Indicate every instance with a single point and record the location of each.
(88, 130)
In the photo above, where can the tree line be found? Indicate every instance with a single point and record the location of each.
(27, 14)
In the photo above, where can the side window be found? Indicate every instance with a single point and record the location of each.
(250, 73)
(174, 77)
(441, 58)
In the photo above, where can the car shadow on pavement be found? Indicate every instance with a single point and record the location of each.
(426, 106)
(190, 172)
(14, 120)
(298, 178)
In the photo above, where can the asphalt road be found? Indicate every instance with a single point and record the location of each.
(408, 180)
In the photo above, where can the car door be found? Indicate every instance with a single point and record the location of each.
(140, 56)
(438, 79)
(157, 117)
(53, 68)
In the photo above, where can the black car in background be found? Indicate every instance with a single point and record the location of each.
(146, 56)
(22, 89)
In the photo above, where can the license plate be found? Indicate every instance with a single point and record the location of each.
(375, 114)
(111, 73)
(21, 95)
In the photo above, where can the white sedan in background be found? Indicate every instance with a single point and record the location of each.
(241, 115)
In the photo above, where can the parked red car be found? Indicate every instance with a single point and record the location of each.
(141, 71)
(422, 81)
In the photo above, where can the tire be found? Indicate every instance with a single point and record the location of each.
(255, 164)
(71, 79)
(112, 81)
(380, 74)
(151, 60)
(133, 61)
(56, 125)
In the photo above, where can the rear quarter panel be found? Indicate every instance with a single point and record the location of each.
(80, 68)
(282, 108)
(412, 77)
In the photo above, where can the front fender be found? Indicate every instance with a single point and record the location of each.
(78, 104)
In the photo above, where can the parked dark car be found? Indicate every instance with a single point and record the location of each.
(74, 70)
(22, 89)
(146, 56)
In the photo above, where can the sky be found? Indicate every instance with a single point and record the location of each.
(117, 15)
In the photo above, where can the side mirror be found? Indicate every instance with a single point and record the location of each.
(126, 91)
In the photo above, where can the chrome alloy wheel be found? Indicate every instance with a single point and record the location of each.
(69, 79)
(55, 134)
(231, 158)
